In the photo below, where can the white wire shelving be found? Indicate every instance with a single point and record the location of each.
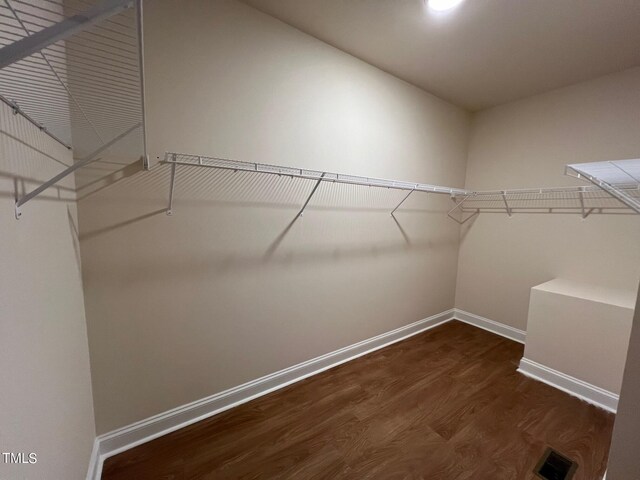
(615, 190)
(620, 179)
(74, 69)
(584, 200)
(187, 160)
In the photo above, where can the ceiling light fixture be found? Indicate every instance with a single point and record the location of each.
(443, 5)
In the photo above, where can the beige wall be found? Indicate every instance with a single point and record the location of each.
(624, 462)
(526, 144)
(45, 390)
(182, 307)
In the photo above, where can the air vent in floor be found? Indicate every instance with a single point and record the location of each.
(554, 466)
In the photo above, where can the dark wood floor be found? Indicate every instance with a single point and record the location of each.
(446, 404)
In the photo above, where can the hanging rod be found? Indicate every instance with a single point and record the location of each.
(183, 159)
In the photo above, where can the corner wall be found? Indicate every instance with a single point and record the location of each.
(231, 288)
(624, 463)
(46, 404)
(526, 144)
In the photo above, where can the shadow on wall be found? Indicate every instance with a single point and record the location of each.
(23, 185)
(176, 268)
(216, 213)
(97, 184)
(25, 139)
(75, 238)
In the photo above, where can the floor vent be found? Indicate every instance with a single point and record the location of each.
(553, 466)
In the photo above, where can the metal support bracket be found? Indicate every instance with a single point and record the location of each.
(403, 200)
(172, 185)
(585, 212)
(315, 187)
(580, 195)
(504, 199)
(143, 109)
(459, 207)
(16, 196)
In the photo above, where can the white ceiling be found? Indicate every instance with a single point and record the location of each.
(485, 52)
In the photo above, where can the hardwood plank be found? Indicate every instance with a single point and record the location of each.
(446, 404)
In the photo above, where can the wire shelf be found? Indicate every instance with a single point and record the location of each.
(221, 163)
(620, 179)
(583, 200)
(73, 68)
(624, 173)
(83, 90)
(615, 190)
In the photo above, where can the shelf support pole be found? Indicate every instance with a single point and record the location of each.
(403, 200)
(504, 199)
(582, 204)
(315, 187)
(140, 30)
(172, 185)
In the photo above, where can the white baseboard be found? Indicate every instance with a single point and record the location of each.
(490, 325)
(112, 443)
(95, 462)
(573, 386)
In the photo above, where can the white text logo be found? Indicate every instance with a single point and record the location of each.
(28, 458)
